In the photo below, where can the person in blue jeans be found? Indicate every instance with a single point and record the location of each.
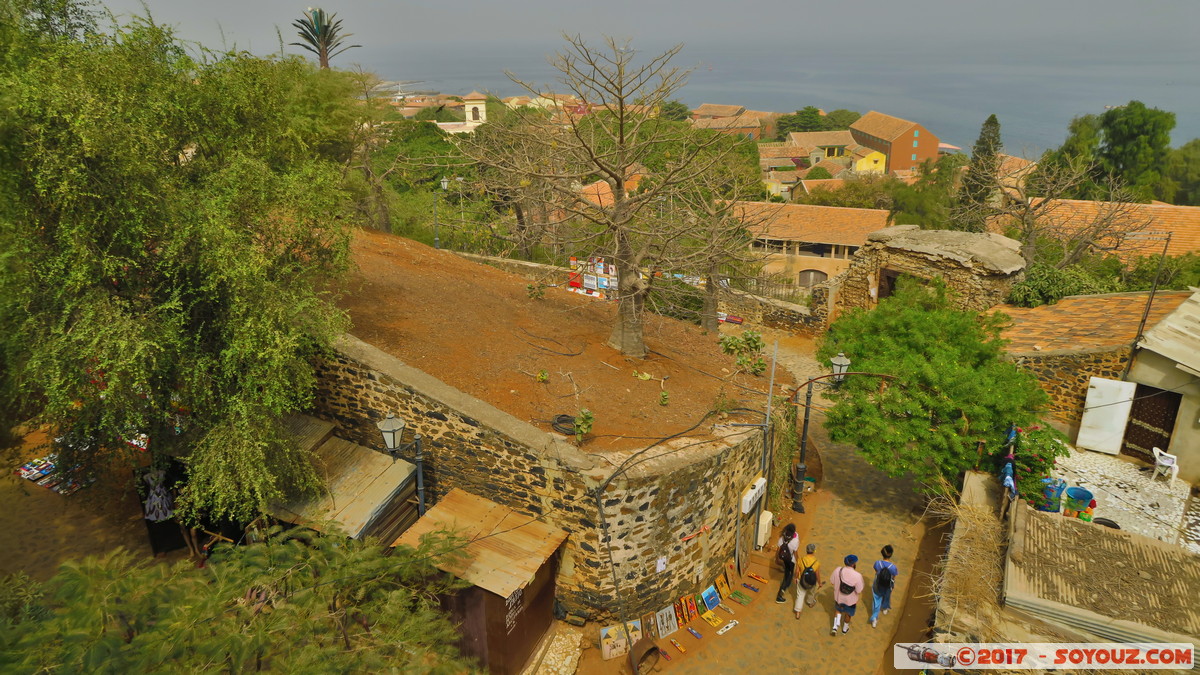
(885, 580)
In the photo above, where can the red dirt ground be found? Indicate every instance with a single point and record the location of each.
(476, 328)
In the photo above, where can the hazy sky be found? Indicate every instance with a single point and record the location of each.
(780, 28)
(1038, 61)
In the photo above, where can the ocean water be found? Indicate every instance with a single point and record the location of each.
(1034, 89)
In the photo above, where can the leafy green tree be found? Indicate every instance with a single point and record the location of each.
(952, 386)
(808, 118)
(300, 602)
(818, 173)
(863, 192)
(1182, 169)
(1127, 144)
(1046, 284)
(674, 111)
(927, 202)
(438, 113)
(1136, 139)
(166, 225)
(322, 35)
(841, 118)
(972, 204)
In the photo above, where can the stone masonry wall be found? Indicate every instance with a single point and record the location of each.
(759, 311)
(972, 287)
(671, 491)
(1064, 375)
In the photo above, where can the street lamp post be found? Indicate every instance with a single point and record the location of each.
(437, 242)
(392, 429)
(841, 368)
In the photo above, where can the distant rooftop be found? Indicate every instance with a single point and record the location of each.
(813, 224)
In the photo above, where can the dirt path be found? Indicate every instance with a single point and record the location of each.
(42, 529)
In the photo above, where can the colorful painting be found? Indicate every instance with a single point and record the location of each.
(667, 622)
(649, 625)
(722, 585)
(691, 608)
(712, 619)
(710, 597)
(613, 642)
(680, 612)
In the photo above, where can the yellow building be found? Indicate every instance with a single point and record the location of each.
(867, 160)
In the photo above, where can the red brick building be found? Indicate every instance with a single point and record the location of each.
(906, 144)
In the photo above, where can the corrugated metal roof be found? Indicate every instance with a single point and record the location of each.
(1113, 584)
(1177, 336)
(506, 548)
(359, 483)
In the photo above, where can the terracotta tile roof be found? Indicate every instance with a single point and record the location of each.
(1085, 321)
(820, 139)
(789, 150)
(599, 193)
(815, 224)
(785, 177)
(474, 95)
(739, 122)
(718, 110)
(882, 126)
(832, 167)
(822, 184)
(1183, 222)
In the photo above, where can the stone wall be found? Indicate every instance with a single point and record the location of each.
(756, 310)
(673, 490)
(1064, 375)
(979, 269)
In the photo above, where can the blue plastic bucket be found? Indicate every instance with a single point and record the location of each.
(1052, 494)
(1078, 498)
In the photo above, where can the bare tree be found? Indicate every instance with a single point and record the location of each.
(1029, 206)
(602, 122)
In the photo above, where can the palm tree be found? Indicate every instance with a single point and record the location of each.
(321, 35)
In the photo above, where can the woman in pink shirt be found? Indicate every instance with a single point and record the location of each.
(847, 584)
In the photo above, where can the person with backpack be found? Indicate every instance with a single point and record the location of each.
(789, 544)
(808, 580)
(847, 585)
(885, 579)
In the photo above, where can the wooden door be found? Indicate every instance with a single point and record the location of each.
(1151, 420)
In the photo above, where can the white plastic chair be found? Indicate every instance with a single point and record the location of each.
(1165, 464)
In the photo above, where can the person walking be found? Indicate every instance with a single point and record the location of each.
(808, 580)
(885, 580)
(789, 544)
(847, 585)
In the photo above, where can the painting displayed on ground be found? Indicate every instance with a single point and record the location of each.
(711, 599)
(722, 585)
(613, 641)
(667, 621)
(650, 625)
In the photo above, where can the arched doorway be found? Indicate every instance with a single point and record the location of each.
(810, 278)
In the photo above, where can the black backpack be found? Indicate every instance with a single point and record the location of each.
(883, 578)
(808, 578)
(785, 554)
(843, 587)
